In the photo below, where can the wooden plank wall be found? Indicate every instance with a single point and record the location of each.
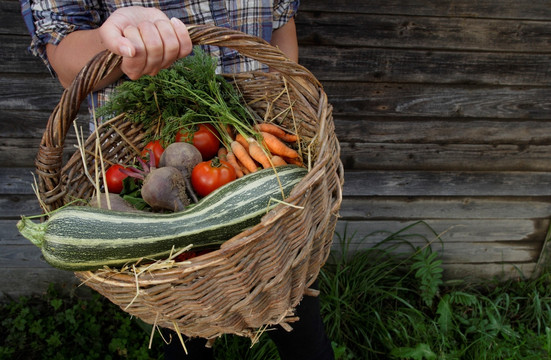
(442, 110)
(27, 96)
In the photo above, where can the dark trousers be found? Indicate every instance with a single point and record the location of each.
(307, 341)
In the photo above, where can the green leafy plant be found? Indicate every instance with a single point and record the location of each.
(180, 97)
(429, 273)
(420, 352)
(56, 327)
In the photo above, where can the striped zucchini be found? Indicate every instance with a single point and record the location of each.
(85, 238)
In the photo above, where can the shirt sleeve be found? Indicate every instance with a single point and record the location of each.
(284, 10)
(49, 21)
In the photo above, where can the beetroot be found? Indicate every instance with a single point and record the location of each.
(181, 155)
(165, 188)
(117, 203)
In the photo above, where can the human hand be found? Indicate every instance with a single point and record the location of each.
(146, 38)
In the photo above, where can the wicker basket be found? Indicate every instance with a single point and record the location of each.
(257, 277)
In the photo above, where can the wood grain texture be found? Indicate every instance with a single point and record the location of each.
(41, 93)
(16, 58)
(447, 183)
(446, 157)
(20, 256)
(11, 21)
(456, 208)
(422, 32)
(23, 151)
(501, 233)
(477, 272)
(483, 9)
(16, 181)
(10, 236)
(13, 206)
(35, 281)
(427, 66)
(438, 131)
(457, 102)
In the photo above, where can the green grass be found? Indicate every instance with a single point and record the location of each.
(377, 304)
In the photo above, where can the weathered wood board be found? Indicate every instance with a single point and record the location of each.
(442, 110)
(443, 113)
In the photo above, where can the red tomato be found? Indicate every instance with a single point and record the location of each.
(209, 175)
(157, 149)
(186, 255)
(205, 139)
(114, 178)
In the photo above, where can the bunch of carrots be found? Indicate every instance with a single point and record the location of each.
(271, 148)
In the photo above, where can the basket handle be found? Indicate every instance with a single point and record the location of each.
(49, 160)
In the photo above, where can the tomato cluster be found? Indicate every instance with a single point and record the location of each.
(206, 177)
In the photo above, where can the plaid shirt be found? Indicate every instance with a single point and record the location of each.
(49, 21)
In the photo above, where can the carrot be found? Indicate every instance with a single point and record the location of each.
(223, 153)
(230, 132)
(233, 162)
(278, 161)
(241, 139)
(243, 156)
(278, 147)
(258, 154)
(276, 131)
(294, 161)
(290, 138)
(242, 167)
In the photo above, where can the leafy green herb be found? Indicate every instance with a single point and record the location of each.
(132, 193)
(188, 93)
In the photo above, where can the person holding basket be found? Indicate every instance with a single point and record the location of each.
(150, 36)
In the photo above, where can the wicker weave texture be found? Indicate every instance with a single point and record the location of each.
(257, 277)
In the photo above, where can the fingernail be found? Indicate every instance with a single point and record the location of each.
(125, 51)
(176, 21)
